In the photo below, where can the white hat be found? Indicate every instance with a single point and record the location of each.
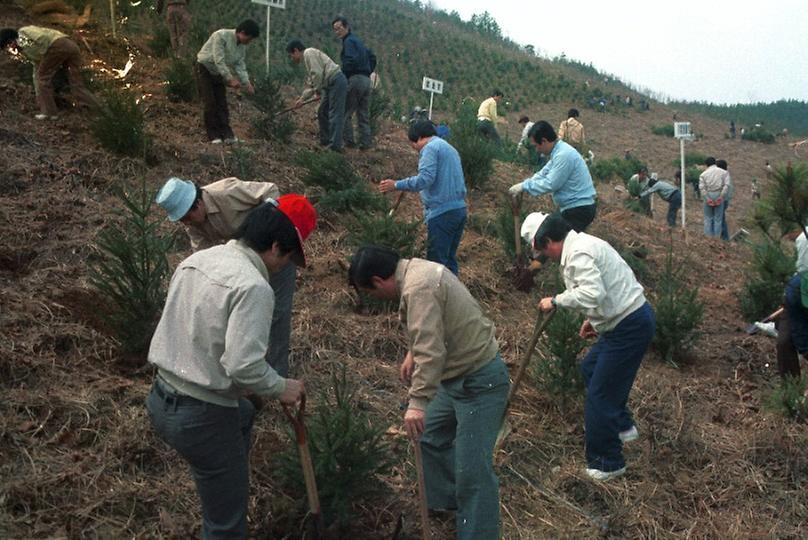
(531, 225)
(654, 176)
(177, 196)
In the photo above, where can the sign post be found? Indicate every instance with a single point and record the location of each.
(433, 87)
(280, 4)
(681, 130)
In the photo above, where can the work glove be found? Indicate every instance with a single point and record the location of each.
(515, 189)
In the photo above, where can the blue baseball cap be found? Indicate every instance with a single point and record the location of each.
(176, 197)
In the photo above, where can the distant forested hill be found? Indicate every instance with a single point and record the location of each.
(790, 114)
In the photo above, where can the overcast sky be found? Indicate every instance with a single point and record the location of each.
(722, 51)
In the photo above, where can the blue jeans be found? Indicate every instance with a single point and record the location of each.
(724, 228)
(674, 204)
(359, 102)
(331, 113)
(713, 217)
(443, 234)
(283, 284)
(215, 441)
(462, 422)
(609, 371)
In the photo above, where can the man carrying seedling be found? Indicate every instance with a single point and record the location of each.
(565, 176)
(600, 284)
(178, 20)
(458, 383)
(49, 50)
(209, 350)
(443, 191)
(212, 214)
(221, 63)
(326, 82)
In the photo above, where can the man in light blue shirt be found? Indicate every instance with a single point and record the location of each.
(565, 176)
(443, 192)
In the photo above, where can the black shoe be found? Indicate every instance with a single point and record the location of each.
(337, 150)
(351, 145)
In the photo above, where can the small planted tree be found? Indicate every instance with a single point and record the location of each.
(678, 311)
(348, 453)
(476, 152)
(791, 398)
(131, 268)
(180, 81)
(504, 227)
(120, 126)
(343, 190)
(380, 106)
(383, 230)
(269, 124)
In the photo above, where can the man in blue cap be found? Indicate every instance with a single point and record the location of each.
(213, 213)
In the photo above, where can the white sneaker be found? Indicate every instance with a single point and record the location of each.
(233, 140)
(602, 476)
(41, 116)
(629, 434)
(216, 141)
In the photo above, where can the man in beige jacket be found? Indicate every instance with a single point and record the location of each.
(324, 81)
(458, 382)
(572, 131)
(212, 214)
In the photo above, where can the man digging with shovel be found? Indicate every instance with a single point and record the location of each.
(458, 383)
(602, 286)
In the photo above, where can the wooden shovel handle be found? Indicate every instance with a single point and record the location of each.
(422, 508)
(516, 209)
(541, 323)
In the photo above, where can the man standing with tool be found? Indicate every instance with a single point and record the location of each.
(209, 350)
(358, 62)
(443, 191)
(221, 63)
(212, 214)
(324, 81)
(565, 176)
(600, 284)
(458, 382)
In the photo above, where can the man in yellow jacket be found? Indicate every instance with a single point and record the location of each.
(487, 116)
(49, 50)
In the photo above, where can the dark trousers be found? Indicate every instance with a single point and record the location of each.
(358, 101)
(487, 129)
(178, 19)
(443, 237)
(331, 113)
(724, 227)
(215, 441)
(216, 115)
(580, 217)
(674, 204)
(62, 52)
(609, 370)
(792, 330)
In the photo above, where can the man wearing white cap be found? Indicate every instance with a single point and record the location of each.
(600, 284)
(209, 349)
(213, 213)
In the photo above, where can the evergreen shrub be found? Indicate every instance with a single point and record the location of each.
(791, 398)
(769, 271)
(384, 230)
(758, 134)
(267, 124)
(477, 153)
(606, 170)
(180, 81)
(665, 130)
(343, 190)
(120, 125)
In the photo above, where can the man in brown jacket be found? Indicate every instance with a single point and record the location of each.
(178, 20)
(49, 50)
(213, 213)
(458, 382)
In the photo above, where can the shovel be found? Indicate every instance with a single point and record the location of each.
(422, 508)
(522, 276)
(541, 323)
(290, 109)
(752, 328)
(396, 204)
(308, 468)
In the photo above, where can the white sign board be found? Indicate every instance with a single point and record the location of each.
(271, 3)
(681, 130)
(432, 85)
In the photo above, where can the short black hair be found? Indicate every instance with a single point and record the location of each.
(342, 20)
(198, 198)
(710, 161)
(542, 130)
(295, 45)
(7, 35)
(249, 27)
(554, 227)
(524, 120)
(421, 128)
(264, 226)
(721, 164)
(642, 169)
(496, 93)
(372, 261)
(572, 113)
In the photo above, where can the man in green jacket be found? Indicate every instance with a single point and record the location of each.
(49, 50)
(458, 382)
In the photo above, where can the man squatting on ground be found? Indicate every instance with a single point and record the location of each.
(222, 55)
(458, 383)
(209, 350)
(325, 82)
(443, 192)
(565, 176)
(602, 286)
(212, 215)
(358, 62)
(792, 326)
(49, 50)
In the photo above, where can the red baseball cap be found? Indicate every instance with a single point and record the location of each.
(303, 216)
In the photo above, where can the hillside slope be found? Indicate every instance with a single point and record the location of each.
(78, 458)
